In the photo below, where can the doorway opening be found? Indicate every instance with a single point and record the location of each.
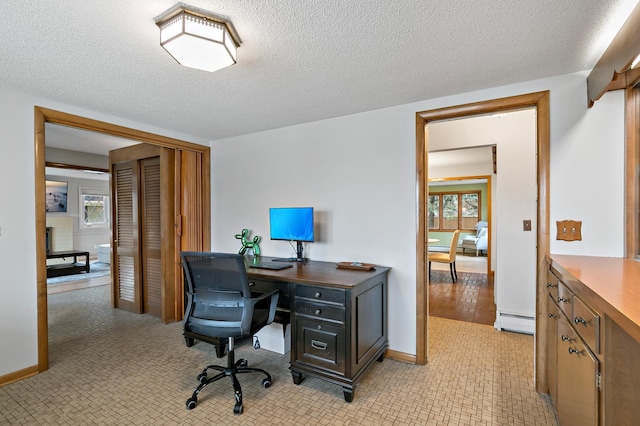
(540, 102)
(461, 203)
(190, 220)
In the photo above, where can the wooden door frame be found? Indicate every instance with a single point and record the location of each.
(540, 101)
(43, 116)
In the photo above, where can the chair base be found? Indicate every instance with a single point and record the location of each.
(232, 369)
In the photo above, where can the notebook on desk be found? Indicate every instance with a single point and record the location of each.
(270, 265)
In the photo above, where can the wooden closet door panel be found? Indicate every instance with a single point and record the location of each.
(152, 282)
(193, 202)
(126, 248)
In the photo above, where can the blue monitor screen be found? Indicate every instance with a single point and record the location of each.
(291, 223)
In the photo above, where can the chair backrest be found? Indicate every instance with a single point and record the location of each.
(483, 232)
(453, 247)
(480, 225)
(217, 285)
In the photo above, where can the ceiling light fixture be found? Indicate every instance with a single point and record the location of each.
(198, 39)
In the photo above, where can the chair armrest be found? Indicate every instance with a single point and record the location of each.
(273, 295)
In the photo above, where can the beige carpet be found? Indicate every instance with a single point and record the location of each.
(111, 367)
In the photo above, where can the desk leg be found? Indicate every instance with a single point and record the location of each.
(348, 394)
(297, 377)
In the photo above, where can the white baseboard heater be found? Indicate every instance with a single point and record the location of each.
(515, 322)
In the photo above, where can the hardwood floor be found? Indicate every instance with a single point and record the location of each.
(470, 298)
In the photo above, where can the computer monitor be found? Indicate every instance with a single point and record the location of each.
(292, 224)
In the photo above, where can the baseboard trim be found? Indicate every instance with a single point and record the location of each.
(18, 375)
(515, 322)
(400, 356)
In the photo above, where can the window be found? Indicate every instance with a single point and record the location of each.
(449, 211)
(94, 208)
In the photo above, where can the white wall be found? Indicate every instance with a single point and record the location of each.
(358, 171)
(18, 313)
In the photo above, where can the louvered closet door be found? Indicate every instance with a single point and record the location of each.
(126, 258)
(151, 236)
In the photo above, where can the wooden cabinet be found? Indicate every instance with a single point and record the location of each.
(593, 340)
(552, 349)
(577, 378)
(337, 333)
(572, 369)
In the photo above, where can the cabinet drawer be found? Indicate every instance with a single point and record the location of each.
(587, 324)
(565, 299)
(321, 294)
(552, 285)
(322, 311)
(321, 344)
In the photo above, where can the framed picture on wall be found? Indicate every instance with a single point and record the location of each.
(56, 196)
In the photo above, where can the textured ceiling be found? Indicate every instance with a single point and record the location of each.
(300, 60)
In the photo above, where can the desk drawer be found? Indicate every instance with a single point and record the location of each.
(587, 324)
(320, 311)
(321, 344)
(321, 294)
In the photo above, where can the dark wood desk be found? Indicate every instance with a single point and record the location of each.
(58, 269)
(338, 318)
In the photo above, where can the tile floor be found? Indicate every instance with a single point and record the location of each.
(111, 367)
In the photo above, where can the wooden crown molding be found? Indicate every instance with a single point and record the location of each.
(613, 69)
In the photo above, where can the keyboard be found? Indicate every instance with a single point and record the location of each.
(271, 265)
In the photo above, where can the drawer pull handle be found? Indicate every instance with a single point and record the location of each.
(318, 295)
(562, 299)
(580, 320)
(565, 338)
(552, 315)
(319, 345)
(549, 285)
(573, 351)
(251, 284)
(318, 311)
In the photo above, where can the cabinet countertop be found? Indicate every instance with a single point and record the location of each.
(611, 284)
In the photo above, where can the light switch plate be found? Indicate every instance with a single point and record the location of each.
(569, 230)
(526, 225)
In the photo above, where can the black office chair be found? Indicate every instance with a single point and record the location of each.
(220, 305)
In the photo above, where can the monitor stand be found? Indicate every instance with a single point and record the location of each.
(299, 258)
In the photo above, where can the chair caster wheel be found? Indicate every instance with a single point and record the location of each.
(202, 378)
(242, 363)
(266, 383)
(237, 409)
(191, 403)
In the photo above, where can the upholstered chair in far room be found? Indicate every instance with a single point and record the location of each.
(220, 305)
(449, 257)
(479, 241)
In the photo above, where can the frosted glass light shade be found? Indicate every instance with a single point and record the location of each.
(196, 41)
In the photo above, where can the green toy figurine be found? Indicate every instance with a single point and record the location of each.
(246, 244)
